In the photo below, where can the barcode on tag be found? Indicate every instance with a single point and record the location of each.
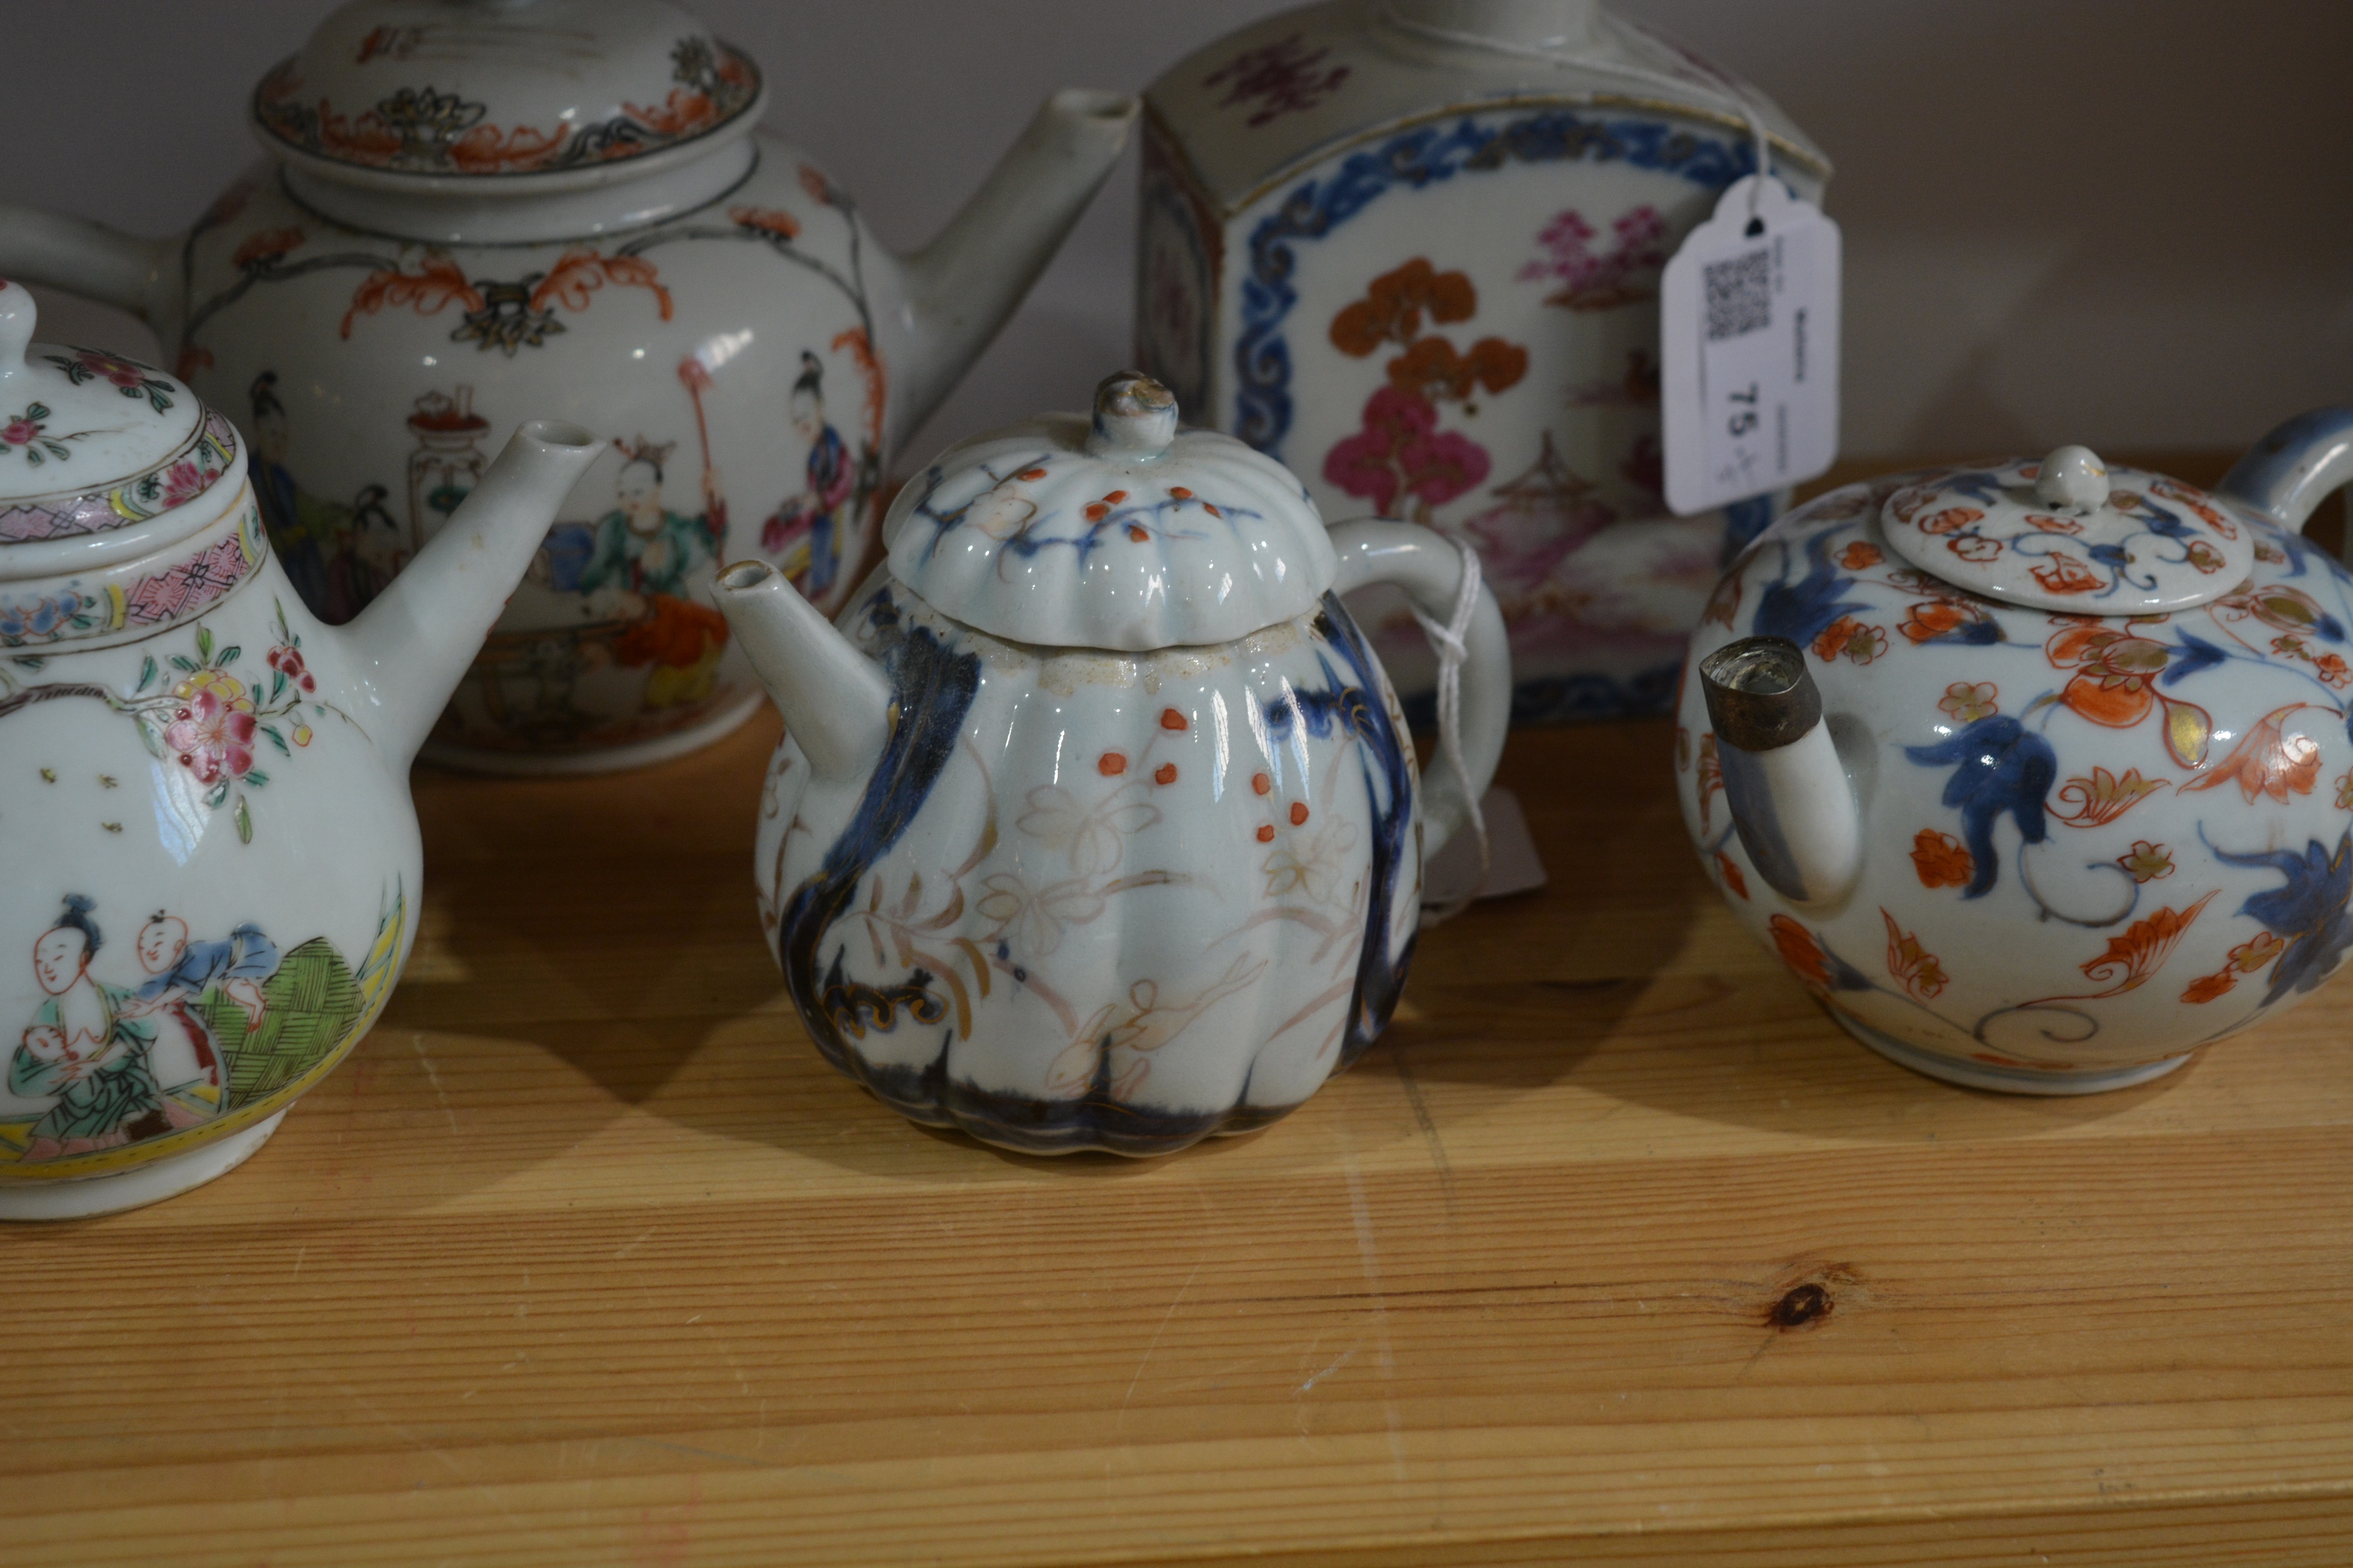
(1748, 349)
(1739, 295)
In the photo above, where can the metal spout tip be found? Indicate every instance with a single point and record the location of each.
(1760, 695)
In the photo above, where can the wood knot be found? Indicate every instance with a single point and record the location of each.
(1799, 1307)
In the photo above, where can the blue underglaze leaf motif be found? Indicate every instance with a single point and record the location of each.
(1800, 610)
(2196, 654)
(1998, 765)
(2308, 909)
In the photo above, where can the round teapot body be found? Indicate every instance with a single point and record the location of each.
(1099, 900)
(2089, 843)
(729, 353)
(208, 878)
(1425, 277)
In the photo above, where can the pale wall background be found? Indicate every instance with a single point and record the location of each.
(2124, 222)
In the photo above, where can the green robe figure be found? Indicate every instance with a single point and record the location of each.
(81, 1048)
(649, 552)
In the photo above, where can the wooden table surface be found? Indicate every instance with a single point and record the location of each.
(1615, 1249)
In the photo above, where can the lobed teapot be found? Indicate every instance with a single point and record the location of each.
(474, 210)
(209, 866)
(1412, 248)
(2038, 774)
(1095, 825)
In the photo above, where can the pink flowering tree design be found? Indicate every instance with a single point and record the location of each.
(1400, 451)
(1589, 280)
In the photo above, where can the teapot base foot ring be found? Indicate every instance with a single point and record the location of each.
(2002, 1079)
(89, 1196)
(609, 760)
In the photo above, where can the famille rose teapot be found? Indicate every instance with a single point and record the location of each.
(209, 866)
(1412, 248)
(475, 210)
(1096, 824)
(2038, 774)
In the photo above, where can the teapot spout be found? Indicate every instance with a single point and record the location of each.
(410, 647)
(2290, 471)
(965, 283)
(835, 703)
(82, 257)
(1791, 803)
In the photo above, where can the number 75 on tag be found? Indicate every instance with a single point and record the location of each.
(1748, 350)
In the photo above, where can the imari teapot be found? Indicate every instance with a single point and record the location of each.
(1095, 825)
(209, 867)
(473, 211)
(2038, 774)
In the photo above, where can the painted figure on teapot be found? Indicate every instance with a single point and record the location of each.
(1412, 248)
(209, 867)
(1095, 824)
(2037, 773)
(473, 210)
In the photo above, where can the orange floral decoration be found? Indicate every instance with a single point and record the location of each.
(436, 282)
(267, 246)
(1432, 368)
(767, 220)
(2104, 797)
(1911, 964)
(2143, 949)
(1733, 879)
(1392, 306)
(581, 271)
(1860, 556)
(2065, 574)
(1801, 952)
(2268, 761)
(1941, 859)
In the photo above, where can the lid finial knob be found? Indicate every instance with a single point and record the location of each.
(2073, 478)
(18, 316)
(1135, 417)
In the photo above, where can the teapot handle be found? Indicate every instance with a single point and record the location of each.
(2290, 471)
(1427, 568)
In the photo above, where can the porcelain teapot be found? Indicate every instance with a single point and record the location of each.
(209, 867)
(471, 211)
(1095, 825)
(1412, 248)
(2037, 774)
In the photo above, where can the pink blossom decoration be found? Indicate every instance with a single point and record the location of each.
(212, 739)
(1401, 449)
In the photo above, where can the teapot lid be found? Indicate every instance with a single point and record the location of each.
(399, 93)
(1119, 531)
(92, 442)
(2070, 533)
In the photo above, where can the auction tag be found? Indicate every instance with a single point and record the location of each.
(1748, 349)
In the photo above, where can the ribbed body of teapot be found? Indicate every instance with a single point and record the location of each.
(730, 355)
(1098, 899)
(2091, 839)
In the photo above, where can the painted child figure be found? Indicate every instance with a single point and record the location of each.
(805, 534)
(185, 1058)
(646, 558)
(84, 1052)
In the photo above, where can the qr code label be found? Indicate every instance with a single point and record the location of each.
(1739, 295)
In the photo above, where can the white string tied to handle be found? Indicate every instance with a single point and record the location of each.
(1448, 639)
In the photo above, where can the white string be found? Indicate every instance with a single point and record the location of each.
(1448, 639)
(1731, 94)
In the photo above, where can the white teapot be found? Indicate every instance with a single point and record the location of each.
(2037, 773)
(1096, 824)
(473, 211)
(209, 866)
